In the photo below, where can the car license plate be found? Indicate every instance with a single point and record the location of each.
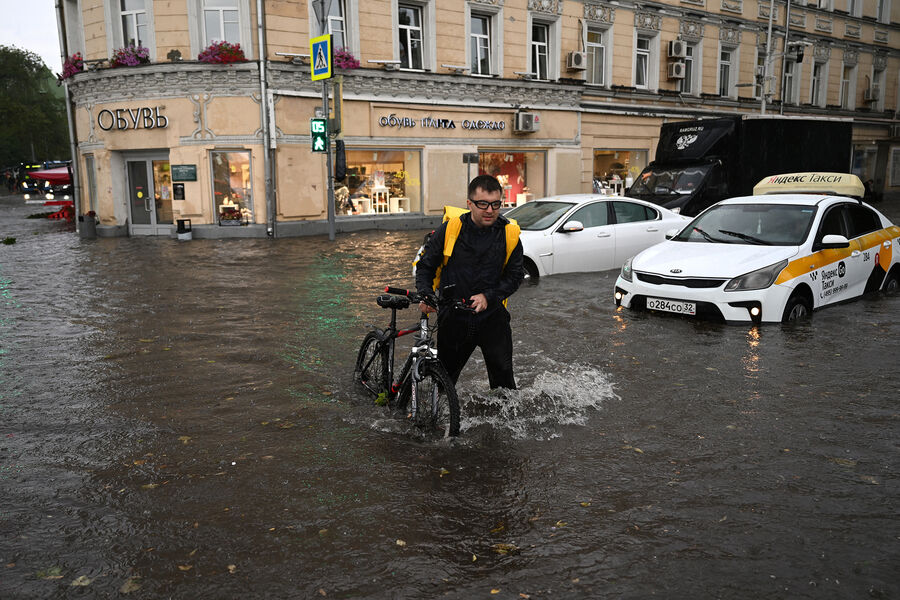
(682, 308)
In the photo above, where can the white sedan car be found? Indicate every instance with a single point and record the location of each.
(588, 232)
(769, 257)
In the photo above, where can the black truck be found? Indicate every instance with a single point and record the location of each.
(700, 162)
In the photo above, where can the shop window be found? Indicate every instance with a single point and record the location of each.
(380, 181)
(522, 174)
(91, 172)
(231, 187)
(615, 170)
(162, 191)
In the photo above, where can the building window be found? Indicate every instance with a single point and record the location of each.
(134, 22)
(480, 45)
(381, 181)
(595, 46)
(878, 87)
(337, 24)
(688, 85)
(759, 83)
(522, 174)
(848, 87)
(883, 11)
(642, 62)
(788, 86)
(221, 21)
(826, 4)
(232, 194)
(615, 170)
(540, 49)
(410, 26)
(91, 172)
(726, 72)
(853, 7)
(816, 87)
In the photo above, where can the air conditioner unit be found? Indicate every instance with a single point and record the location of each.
(676, 70)
(526, 122)
(870, 95)
(576, 61)
(677, 49)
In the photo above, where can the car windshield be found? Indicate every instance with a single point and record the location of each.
(656, 182)
(760, 224)
(533, 216)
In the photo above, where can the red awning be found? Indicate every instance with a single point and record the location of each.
(57, 176)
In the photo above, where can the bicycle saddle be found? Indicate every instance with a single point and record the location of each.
(399, 302)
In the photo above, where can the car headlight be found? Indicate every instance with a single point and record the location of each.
(626, 269)
(756, 280)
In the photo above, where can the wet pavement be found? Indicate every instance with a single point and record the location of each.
(178, 420)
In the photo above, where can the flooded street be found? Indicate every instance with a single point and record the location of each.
(178, 420)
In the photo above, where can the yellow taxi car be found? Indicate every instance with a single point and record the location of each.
(802, 241)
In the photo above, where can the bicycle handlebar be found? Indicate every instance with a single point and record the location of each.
(430, 299)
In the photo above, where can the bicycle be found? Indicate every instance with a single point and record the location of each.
(423, 389)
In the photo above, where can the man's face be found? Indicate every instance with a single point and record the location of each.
(484, 217)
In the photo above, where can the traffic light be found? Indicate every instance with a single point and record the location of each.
(318, 130)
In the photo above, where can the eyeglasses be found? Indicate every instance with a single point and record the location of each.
(483, 204)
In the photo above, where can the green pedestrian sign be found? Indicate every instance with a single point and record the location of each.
(318, 130)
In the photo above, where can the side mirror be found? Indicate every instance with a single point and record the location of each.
(832, 241)
(572, 227)
(672, 233)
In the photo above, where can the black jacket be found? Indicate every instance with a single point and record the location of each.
(476, 264)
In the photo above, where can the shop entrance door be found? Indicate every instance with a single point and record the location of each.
(149, 196)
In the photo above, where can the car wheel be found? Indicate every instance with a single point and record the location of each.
(531, 272)
(797, 307)
(892, 283)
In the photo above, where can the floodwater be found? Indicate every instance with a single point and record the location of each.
(178, 420)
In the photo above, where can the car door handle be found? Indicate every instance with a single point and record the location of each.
(887, 243)
(855, 253)
(603, 234)
(653, 229)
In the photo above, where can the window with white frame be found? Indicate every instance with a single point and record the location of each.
(595, 47)
(788, 85)
(135, 24)
(826, 4)
(411, 41)
(336, 24)
(878, 76)
(758, 83)
(689, 85)
(727, 70)
(853, 7)
(848, 87)
(817, 84)
(540, 50)
(221, 22)
(642, 56)
(480, 44)
(883, 11)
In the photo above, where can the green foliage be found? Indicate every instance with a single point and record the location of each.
(32, 113)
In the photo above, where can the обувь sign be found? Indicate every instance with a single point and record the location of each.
(127, 118)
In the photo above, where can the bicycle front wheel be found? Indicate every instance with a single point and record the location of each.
(436, 409)
(371, 365)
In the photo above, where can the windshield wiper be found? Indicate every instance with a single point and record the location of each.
(706, 236)
(745, 237)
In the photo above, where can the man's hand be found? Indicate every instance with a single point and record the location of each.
(426, 308)
(478, 302)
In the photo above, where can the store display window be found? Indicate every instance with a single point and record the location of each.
(522, 174)
(231, 187)
(615, 170)
(380, 181)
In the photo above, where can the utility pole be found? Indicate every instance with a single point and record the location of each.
(322, 8)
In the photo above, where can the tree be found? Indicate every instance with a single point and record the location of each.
(33, 122)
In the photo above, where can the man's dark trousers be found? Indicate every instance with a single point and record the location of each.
(460, 332)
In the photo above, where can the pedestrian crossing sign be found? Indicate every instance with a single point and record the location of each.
(320, 57)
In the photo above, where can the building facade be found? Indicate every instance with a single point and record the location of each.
(551, 96)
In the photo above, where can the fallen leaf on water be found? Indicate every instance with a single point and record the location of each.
(132, 585)
(561, 523)
(140, 462)
(51, 573)
(322, 592)
(193, 552)
(444, 471)
(495, 591)
(268, 457)
(149, 486)
(524, 595)
(474, 558)
(185, 567)
(711, 369)
(869, 479)
(401, 543)
(232, 569)
(499, 527)
(585, 504)
(285, 425)
(184, 439)
(505, 548)
(844, 462)
(146, 340)
(80, 581)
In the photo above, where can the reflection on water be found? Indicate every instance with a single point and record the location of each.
(178, 421)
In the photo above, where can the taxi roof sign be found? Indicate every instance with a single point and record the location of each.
(831, 184)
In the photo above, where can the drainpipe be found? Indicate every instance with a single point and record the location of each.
(73, 147)
(264, 114)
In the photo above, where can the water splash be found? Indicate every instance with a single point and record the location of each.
(560, 395)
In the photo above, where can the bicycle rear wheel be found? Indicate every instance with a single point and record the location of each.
(436, 411)
(371, 365)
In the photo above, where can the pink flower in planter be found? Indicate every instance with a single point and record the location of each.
(222, 53)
